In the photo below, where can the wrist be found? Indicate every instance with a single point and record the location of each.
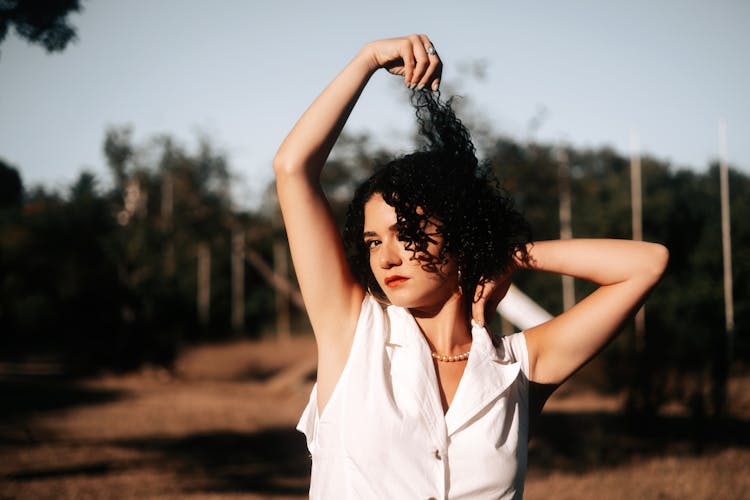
(522, 259)
(366, 58)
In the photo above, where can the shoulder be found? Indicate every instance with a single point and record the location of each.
(514, 349)
(374, 321)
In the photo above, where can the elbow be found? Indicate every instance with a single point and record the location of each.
(657, 261)
(288, 167)
(282, 165)
(286, 161)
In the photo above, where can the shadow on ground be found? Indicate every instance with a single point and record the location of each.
(275, 461)
(272, 461)
(24, 396)
(586, 440)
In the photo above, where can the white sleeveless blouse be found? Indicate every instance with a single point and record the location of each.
(383, 433)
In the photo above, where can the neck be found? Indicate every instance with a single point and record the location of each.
(446, 326)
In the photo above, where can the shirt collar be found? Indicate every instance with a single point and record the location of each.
(489, 372)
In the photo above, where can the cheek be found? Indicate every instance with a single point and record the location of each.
(375, 268)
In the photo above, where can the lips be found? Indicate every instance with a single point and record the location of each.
(394, 281)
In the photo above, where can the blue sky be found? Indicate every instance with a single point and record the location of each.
(243, 71)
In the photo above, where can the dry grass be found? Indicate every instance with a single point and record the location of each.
(221, 426)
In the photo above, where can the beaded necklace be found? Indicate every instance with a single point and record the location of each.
(448, 359)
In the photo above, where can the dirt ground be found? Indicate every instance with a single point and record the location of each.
(221, 425)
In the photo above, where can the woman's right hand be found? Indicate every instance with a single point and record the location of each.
(413, 57)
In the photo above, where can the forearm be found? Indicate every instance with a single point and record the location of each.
(602, 261)
(307, 146)
(626, 270)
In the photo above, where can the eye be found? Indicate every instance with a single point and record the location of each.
(370, 244)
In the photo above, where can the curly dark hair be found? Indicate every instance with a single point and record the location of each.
(443, 184)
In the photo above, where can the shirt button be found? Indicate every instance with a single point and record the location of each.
(437, 455)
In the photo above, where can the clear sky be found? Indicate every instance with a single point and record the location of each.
(591, 72)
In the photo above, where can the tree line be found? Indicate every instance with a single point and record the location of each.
(111, 277)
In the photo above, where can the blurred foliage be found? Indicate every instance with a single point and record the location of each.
(685, 338)
(40, 21)
(108, 277)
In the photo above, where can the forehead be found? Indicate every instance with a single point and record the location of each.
(378, 214)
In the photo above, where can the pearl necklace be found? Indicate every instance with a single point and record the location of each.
(448, 359)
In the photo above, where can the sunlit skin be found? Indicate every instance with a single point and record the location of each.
(624, 270)
(390, 261)
(428, 295)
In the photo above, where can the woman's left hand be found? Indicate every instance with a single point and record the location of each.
(487, 296)
(412, 57)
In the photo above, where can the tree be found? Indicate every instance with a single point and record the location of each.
(11, 188)
(40, 21)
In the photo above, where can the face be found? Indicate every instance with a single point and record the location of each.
(396, 269)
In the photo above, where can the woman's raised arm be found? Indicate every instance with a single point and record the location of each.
(332, 297)
(626, 270)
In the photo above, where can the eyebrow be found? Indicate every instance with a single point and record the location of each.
(393, 227)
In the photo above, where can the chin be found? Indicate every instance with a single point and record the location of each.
(402, 303)
(416, 301)
(401, 299)
(396, 300)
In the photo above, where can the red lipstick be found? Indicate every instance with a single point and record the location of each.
(395, 280)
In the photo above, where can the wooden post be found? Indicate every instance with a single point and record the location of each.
(724, 347)
(641, 398)
(726, 236)
(238, 279)
(566, 230)
(281, 269)
(204, 283)
(281, 284)
(636, 191)
(167, 209)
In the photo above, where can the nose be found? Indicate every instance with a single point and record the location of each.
(390, 254)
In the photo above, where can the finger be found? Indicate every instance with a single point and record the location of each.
(482, 291)
(435, 65)
(477, 311)
(421, 58)
(437, 77)
(480, 301)
(436, 81)
(429, 73)
(407, 55)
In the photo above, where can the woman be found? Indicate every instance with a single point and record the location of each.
(419, 400)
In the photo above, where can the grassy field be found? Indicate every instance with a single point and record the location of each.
(221, 425)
